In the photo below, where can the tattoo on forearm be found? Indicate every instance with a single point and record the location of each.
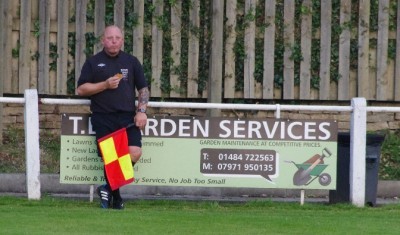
(143, 96)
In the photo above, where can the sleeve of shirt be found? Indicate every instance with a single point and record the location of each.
(86, 74)
(140, 80)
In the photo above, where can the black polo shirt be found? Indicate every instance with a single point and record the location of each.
(100, 67)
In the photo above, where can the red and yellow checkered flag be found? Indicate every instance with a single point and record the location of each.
(117, 161)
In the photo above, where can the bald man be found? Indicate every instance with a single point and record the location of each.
(110, 79)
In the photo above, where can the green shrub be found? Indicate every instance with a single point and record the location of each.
(389, 168)
(12, 152)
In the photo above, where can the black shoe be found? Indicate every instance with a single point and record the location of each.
(105, 196)
(118, 204)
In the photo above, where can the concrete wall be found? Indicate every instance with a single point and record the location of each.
(50, 116)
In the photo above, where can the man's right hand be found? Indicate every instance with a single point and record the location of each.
(112, 82)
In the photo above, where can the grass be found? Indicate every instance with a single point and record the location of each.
(71, 216)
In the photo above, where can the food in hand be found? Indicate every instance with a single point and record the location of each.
(118, 75)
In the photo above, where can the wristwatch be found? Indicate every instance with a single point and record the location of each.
(141, 110)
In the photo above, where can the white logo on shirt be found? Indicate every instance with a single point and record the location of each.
(124, 73)
(101, 65)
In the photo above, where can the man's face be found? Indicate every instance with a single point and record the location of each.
(112, 40)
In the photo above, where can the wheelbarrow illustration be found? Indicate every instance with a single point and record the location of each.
(312, 169)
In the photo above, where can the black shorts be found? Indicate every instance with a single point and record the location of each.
(106, 123)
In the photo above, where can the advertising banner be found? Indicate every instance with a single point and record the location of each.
(213, 152)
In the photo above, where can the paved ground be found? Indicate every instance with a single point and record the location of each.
(15, 185)
(127, 197)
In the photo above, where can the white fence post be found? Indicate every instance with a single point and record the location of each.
(32, 151)
(358, 129)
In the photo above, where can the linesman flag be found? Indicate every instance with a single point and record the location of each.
(117, 161)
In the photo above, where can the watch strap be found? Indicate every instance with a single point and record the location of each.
(141, 110)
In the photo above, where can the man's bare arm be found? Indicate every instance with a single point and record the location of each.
(88, 89)
(143, 98)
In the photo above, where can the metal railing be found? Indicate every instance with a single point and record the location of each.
(358, 123)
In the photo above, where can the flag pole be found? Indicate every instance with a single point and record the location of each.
(130, 125)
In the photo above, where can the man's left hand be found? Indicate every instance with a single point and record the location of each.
(140, 120)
